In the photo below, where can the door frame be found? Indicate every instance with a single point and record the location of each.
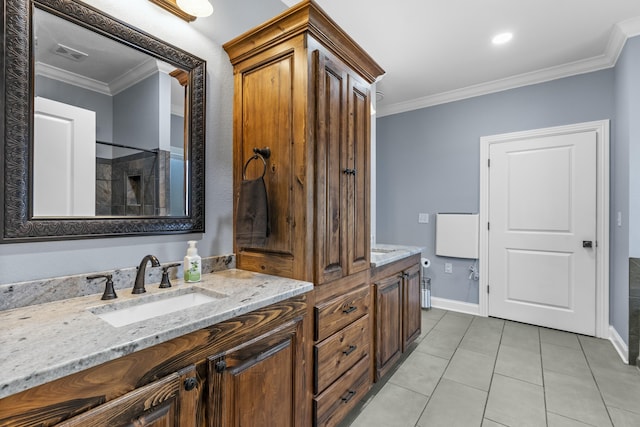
(601, 128)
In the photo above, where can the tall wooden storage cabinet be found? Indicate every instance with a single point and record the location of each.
(302, 88)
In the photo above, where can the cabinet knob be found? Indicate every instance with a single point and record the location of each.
(190, 383)
(221, 366)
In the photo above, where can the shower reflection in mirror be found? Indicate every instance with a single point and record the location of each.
(109, 127)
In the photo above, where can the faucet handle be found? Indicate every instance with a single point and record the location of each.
(109, 292)
(165, 283)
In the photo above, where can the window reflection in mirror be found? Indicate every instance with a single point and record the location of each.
(109, 126)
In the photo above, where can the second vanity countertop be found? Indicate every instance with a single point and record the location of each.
(41, 343)
(382, 254)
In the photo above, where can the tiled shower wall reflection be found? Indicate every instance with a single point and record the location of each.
(133, 185)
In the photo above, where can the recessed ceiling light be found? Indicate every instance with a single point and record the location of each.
(502, 38)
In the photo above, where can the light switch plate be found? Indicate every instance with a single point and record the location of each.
(423, 218)
(448, 267)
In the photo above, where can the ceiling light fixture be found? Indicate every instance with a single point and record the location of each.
(188, 10)
(199, 8)
(502, 38)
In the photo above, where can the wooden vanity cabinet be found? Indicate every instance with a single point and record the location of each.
(397, 311)
(181, 383)
(342, 347)
(388, 323)
(256, 384)
(168, 402)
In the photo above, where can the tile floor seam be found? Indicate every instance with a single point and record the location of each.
(484, 410)
(494, 421)
(595, 380)
(544, 389)
(445, 369)
(623, 409)
(571, 418)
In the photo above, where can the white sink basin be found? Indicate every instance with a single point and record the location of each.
(132, 311)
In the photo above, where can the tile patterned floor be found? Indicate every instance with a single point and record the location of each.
(473, 371)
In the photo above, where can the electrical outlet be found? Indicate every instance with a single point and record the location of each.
(423, 218)
(448, 267)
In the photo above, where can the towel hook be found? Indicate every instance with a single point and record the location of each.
(264, 152)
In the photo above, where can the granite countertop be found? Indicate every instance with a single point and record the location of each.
(41, 343)
(382, 254)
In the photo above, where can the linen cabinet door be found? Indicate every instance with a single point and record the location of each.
(357, 171)
(268, 112)
(331, 167)
(259, 383)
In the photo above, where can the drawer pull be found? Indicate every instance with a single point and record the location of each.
(350, 309)
(347, 397)
(351, 349)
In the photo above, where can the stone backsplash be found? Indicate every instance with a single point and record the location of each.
(34, 292)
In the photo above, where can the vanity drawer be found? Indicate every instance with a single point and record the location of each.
(335, 402)
(335, 314)
(339, 352)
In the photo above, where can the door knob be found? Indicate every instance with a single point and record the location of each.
(587, 244)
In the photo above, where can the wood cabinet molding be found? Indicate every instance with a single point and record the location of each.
(305, 17)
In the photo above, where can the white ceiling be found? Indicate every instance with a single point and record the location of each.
(436, 51)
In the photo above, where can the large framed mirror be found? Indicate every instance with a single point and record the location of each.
(103, 127)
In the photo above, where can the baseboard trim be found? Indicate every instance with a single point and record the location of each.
(453, 305)
(619, 344)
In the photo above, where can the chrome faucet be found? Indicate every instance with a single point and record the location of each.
(138, 287)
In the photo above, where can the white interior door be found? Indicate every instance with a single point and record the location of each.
(64, 160)
(542, 216)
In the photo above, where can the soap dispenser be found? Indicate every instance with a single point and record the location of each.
(192, 263)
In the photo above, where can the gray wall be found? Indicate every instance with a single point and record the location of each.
(83, 98)
(628, 91)
(428, 159)
(136, 121)
(625, 183)
(30, 261)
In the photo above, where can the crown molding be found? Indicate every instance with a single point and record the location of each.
(135, 75)
(74, 79)
(619, 35)
(116, 86)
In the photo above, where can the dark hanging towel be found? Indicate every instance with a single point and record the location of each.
(252, 215)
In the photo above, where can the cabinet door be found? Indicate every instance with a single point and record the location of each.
(259, 383)
(412, 311)
(270, 111)
(358, 147)
(342, 166)
(331, 163)
(168, 402)
(388, 306)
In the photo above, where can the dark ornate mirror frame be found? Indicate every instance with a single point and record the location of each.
(16, 109)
